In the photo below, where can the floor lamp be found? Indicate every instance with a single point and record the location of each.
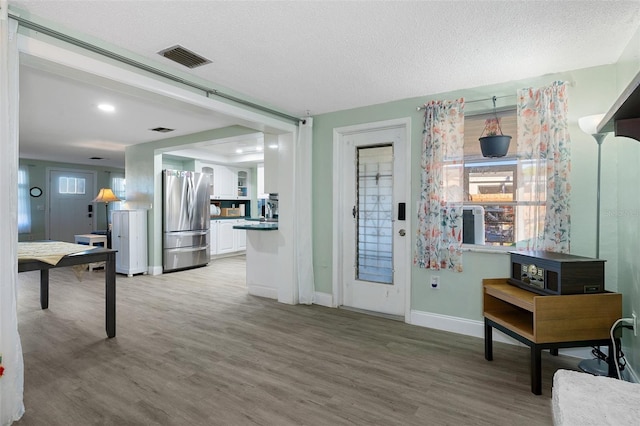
(589, 125)
(106, 196)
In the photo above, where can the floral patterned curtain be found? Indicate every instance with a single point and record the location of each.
(543, 222)
(439, 239)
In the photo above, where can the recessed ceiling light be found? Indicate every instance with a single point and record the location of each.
(238, 151)
(273, 146)
(258, 148)
(106, 107)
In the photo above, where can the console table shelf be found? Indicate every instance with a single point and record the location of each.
(547, 321)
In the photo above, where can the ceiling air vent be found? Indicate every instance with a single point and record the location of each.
(184, 56)
(162, 130)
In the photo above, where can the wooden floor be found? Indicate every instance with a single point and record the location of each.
(192, 348)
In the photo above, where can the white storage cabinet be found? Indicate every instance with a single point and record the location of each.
(226, 242)
(129, 237)
(224, 183)
(230, 240)
(240, 236)
(230, 183)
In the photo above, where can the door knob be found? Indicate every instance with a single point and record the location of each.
(402, 232)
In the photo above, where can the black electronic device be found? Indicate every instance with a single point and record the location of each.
(547, 272)
(402, 208)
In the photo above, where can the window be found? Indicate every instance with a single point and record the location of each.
(492, 184)
(118, 185)
(24, 201)
(71, 185)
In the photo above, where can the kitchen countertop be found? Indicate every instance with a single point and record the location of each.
(231, 217)
(260, 226)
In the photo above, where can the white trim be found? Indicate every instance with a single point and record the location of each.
(58, 55)
(155, 270)
(323, 299)
(475, 328)
(338, 175)
(263, 291)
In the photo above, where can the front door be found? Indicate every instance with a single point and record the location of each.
(71, 207)
(375, 224)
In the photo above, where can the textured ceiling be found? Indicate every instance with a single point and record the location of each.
(323, 56)
(299, 57)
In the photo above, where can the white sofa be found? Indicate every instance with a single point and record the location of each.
(581, 399)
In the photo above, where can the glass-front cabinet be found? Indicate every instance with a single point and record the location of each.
(243, 183)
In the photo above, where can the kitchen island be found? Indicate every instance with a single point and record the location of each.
(262, 258)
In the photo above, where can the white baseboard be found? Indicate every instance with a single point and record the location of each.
(323, 299)
(470, 328)
(155, 270)
(262, 291)
(476, 329)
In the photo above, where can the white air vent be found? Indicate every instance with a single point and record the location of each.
(184, 56)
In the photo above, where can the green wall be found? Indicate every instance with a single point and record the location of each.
(38, 177)
(626, 216)
(593, 90)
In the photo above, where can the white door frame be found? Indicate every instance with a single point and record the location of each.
(338, 205)
(48, 171)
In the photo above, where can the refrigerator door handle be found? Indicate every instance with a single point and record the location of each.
(181, 233)
(186, 249)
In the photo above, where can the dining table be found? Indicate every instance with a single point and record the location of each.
(46, 255)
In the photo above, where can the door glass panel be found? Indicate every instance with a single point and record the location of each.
(71, 185)
(374, 190)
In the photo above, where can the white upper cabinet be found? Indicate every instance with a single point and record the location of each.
(243, 183)
(224, 183)
(228, 183)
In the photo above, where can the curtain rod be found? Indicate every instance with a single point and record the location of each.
(104, 52)
(421, 107)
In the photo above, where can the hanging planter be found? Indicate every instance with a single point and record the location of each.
(494, 144)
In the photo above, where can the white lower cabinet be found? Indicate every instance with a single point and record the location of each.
(241, 236)
(225, 236)
(229, 240)
(129, 237)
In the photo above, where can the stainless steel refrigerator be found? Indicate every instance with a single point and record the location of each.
(185, 219)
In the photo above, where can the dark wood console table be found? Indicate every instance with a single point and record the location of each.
(88, 256)
(547, 322)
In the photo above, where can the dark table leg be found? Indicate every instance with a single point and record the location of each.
(488, 342)
(611, 360)
(536, 369)
(110, 294)
(553, 351)
(44, 288)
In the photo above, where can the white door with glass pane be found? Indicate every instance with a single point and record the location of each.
(71, 208)
(374, 241)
